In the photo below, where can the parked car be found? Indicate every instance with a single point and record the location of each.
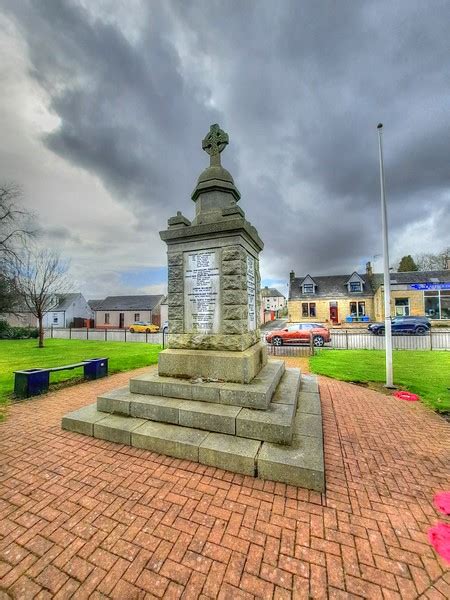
(143, 327)
(299, 333)
(402, 325)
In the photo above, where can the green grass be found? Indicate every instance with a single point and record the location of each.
(426, 374)
(16, 355)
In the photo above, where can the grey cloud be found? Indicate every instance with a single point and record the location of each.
(300, 86)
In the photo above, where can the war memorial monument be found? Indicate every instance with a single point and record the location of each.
(216, 399)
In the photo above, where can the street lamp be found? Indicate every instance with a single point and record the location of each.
(387, 280)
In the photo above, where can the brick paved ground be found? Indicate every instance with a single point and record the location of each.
(82, 518)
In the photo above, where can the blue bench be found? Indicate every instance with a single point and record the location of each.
(32, 382)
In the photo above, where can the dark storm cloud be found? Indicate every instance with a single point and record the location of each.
(300, 86)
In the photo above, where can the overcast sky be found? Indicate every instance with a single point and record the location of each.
(104, 105)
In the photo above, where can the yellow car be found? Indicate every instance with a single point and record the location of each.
(143, 327)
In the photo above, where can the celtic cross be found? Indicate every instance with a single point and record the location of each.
(214, 142)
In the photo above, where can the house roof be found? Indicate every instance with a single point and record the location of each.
(94, 304)
(130, 302)
(64, 301)
(336, 285)
(267, 292)
(328, 285)
(408, 277)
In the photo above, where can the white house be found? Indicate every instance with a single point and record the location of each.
(272, 299)
(67, 308)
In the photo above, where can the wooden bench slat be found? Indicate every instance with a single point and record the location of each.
(68, 367)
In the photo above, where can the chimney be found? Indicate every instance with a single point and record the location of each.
(369, 269)
(291, 276)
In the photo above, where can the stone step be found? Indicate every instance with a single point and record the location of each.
(257, 394)
(273, 425)
(300, 463)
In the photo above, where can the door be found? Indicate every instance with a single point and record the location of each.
(334, 316)
(121, 320)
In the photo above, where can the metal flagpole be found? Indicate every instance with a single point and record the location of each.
(387, 281)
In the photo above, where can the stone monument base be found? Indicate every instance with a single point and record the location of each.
(270, 427)
(237, 367)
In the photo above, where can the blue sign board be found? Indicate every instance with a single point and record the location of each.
(430, 286)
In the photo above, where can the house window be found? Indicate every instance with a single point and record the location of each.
(55, 318)
(437, 304)
(308, 288)
(355, 286)
(402, 307)
(308, 309)
(106, 318)
(137, 317)
(357, 309)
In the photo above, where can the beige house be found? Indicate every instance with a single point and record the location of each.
(358, 297)
(119, 312)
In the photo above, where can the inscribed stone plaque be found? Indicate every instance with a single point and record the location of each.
(202, 291)
(251, 293)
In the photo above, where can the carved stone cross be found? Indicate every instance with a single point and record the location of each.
(214, 142)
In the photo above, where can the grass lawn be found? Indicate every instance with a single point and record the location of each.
(24, 354)
(424, 373)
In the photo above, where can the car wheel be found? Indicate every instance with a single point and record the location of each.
(277, 341)
(148, 330)
(421, 330)
(318, 341)
(380, 331)
(131, 330)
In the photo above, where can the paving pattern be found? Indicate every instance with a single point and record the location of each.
(85, 518)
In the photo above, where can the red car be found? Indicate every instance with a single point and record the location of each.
(296, 334)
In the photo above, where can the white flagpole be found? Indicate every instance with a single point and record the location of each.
(387, 281)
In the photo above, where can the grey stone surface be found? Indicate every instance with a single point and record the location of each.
(149, 383)
(306, 424)
(83, 419)
(240, 367)
(116, 429)
(309, 383)
(230, 453)
(309, 402)
(300, 464)
(115, 401)
(272, 425)
(155, 408)
(257, 394)
(287, 391)
(180, 442)
(211, 417)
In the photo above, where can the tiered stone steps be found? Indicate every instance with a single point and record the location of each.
(282, 443)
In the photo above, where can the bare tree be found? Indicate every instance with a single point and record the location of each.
(15, 229)
(14, 222)
(40, 278)
(433, 262)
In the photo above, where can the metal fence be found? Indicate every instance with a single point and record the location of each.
(105, 335)
(354, 339)
(300, 350)
(341, 339)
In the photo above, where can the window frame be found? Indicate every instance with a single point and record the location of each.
(107, 318)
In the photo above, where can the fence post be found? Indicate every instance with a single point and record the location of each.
(106, 335)
(146, 337)
(87, 333)
(346, 339)
(164, 337)
(70, 333)
(125, 331)
(52, 331)
(431, 340)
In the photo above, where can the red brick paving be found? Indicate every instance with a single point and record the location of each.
(84, 518)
